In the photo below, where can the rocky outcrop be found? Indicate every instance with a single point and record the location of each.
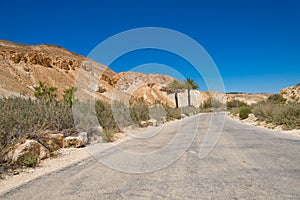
(292, 94)
(23, 66)
(27, 148)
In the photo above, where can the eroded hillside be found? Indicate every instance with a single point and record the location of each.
(23, 66)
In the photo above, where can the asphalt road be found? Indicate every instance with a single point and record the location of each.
(247, 163)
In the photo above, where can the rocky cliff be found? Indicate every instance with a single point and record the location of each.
(292, 94)
(22, 66)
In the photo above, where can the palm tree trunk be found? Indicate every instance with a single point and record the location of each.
(189, 97)
(176, 99)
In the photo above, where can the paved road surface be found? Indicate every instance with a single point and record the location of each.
(247, 163)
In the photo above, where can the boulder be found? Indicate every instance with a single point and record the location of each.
(28, 147)
(53, 142)
(144, 123)
(79, 141)
(152, 122)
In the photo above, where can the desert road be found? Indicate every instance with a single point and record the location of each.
(247, 163)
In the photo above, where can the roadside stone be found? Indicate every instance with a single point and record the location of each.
(15, 172)
(144, 123)
(251, 119)
(30, 147)
(183, 116)
(152, 122)
(79, 141)
(53, 142)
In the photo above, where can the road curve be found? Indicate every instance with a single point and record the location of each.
(247, 163)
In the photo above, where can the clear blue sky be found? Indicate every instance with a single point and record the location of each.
(255, 43)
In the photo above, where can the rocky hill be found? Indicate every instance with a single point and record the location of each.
(23, 66)
(248, 98)
(292, 94)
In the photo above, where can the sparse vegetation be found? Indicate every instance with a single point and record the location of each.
(276, 99)
(25, 118)
(244, 112)
(43, 92)
(286, 115)
(212, 104)
(139, 111)
(274, 111)
(109, 135)
(28, 160)
(68, 96)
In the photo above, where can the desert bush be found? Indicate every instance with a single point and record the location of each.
(68, 96)
(235, 104)
(264, 111)
(109, 135)
(287, 115)
(244, 112)
(105, 116)
(172, 113)
(276, 99)
(27, 118)
(42, 91)
(139, 111)
(158, 112)
(28, 160)
(212, 104)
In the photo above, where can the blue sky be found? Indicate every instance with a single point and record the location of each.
(254, 43)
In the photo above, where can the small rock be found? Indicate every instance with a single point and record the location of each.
(183, 116)
(15, 172)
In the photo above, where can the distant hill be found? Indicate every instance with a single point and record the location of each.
(248, 98)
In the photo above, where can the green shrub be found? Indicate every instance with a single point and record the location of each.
(276, 99)
(105, 116)
(139, 112)
(42, 91)
(287, 115)
(28, 160)
(172, 113)
(26, 118)
(244, 112)
(68, 96)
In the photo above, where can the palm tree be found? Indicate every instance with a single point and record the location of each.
(176, 87)
(190, 85)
